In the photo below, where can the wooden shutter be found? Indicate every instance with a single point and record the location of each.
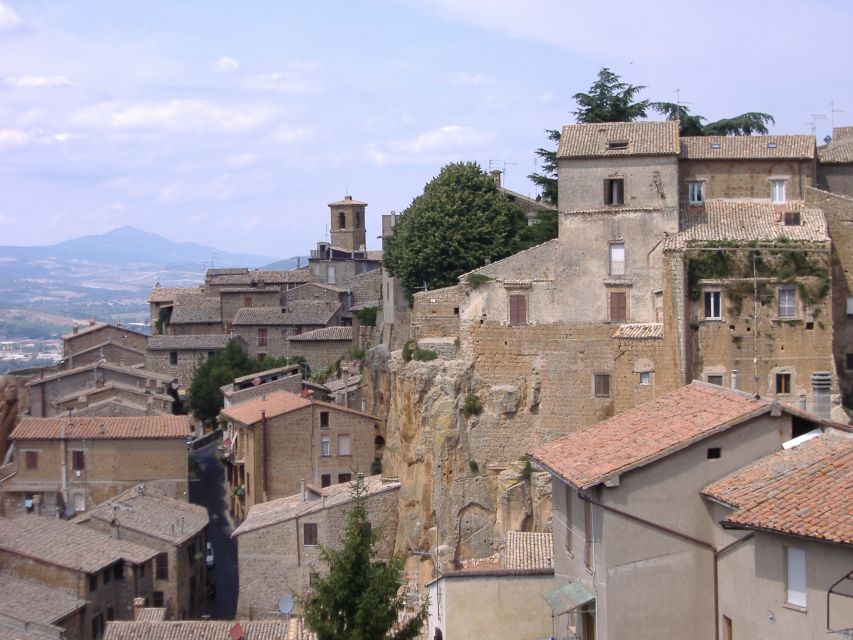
(517, 309)
(32, 459)
(618, 306)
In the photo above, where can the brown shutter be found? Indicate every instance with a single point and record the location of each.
(517, 309)
(607, 191)
(618, 306)
(620, 192)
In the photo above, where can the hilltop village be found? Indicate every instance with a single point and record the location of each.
(639, 428)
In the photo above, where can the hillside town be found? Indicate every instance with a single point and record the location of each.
(638, 428)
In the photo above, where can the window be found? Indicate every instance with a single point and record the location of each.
(342, 220)
(792, 219)
(787, 302)
(850, 362)
(618, 306)
(262, 336)
(713, 309)
(714, 453)
(247, 301)
(162, 563)
(108, 576)
(617, 145)
(614, 191)
(32, 458)
(587, 529)
(261, 356)
(517, 309)
(97, 625)
(325, 447)
(142, 568)
(93, 582)
(325, 480)
(324, 419)
(645, 377)
(191, 552)
(79, 502)
(344, 445)
(78, 460)
(602, 385)
(173, 358)
(118, 571)
(309, 534)
(344, 477)
(357, 218)
(795, 576)
(330, 275)
(783, 383)
(695, 192)
(157, 598)
(715, 378)
(111, 614)
(617, 259)
(777, 191)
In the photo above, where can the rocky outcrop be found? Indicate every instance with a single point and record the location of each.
(13, 399)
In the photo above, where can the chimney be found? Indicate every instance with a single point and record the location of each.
(138, 606)
(75, 327)
(92, 322)
(302, 489)
(360, 480)
(496, 175)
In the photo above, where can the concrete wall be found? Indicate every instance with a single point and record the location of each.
(747, 178)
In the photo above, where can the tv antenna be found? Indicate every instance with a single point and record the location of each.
(832, 112)
(678, 101)
(813, 123)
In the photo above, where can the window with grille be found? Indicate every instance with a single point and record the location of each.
(787, 302)
(602, 385)
(517, 309)
(326, 480)
(325, 447)
(162, 566)
(618, 306)
(78, 460)
(614, 191)
(617, 259)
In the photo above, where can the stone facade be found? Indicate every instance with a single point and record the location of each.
(233, 299)
(98, 335)
(177, 357)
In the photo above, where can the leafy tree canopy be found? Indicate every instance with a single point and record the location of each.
(220, 369)
(359, 598)
(746, 124)
(458, 222)
(610, 100)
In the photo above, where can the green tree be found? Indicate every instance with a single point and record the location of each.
(220, 369)
(458, 222)
(359, 598)
(545, 227)
(547, 180)
(746, 124)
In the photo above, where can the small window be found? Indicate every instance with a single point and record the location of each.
(358, 218)
(262, 336)
(247, 301)
(324, 419)
(695, 192)
(614, 191)
(344, 445)
(617, 259)
(517, 309)
(325, 480)
(777, 191)
(792, 219)
(618, 306)
(261, 356)
(93, 582)
(325, 447)
(772, 145)
(32, 458)
(715, 378)
(173, 358)
(713, 309)
(795, 576)
(118, 571)
(161, 562)
(787, 302)
(716, 145)
(342, 220)
(309, 534)
(78, 460)
(79, 501)
(714, 453)
(783, 383)
(849, 362)
(330, 275)
(344, 477)
(108, 576)
(157, 598)
(602, 385)
(645, 377)
(617, 145)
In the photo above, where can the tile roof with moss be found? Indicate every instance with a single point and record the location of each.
(106, 428)
(747, 147)
(618, 139)
(324, 334)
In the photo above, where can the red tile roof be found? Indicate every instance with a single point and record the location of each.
(646, 433)
(806, 490)
(124, 428)
(278, 403)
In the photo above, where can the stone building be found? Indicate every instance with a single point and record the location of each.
(32, 607)
(175, 529)
(105, 574)
(194, 315)
(629, 513)
(164, 298)
(282, 439)
(278, 544)
(835, 163)
(321, 347)
(234, 299)
(103, 341)
(66, 465)
(288, 378)
(179, 356)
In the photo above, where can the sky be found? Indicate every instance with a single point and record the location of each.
(234, 124)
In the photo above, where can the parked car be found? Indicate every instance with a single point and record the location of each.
(208, 556)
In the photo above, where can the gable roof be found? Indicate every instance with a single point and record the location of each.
(747, 147)
(35, 600)
(806, 490)
(68, 545)
(108, 342)
(199, 630)
(647, 433)
(99, 326)
(324, 334)
(642, 138)
(143, 374)
(188, 343)
(252, 316)
(840, 149)
(529, 550)
(151, 513)
(302, 312)
(279, 403)
(273, 512)
(199, 310)
(745, 221)
(118, 428)
(168, 294)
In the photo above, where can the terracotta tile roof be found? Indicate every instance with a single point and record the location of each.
(152, 514)
(289, 276)
(142, 374)
(122, 428)
(647, 433)
(302, 312)
(747, 220)
(840, 149)
(35, 601)
(347, 200)
(528, 550)
(188, 343)
(151, 614)
(168, 294)
(326, 333)
(98, 326)
(112, 386)
(226, 271)
(639, 331)
(199, 310)
(278, 403)
(68, 545)
(200, 630)
(747, 147)
(642, 138)
(806, 490)
(253, 316)
(284, 509)
(252, 290)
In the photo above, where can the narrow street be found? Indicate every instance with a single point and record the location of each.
(209, 492)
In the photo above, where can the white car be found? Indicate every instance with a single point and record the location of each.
(208, 556)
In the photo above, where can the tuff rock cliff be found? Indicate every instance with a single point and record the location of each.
(13, 399)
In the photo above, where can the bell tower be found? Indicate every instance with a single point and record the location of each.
(347, 226)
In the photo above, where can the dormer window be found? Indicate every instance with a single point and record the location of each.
(772, 145)
(715, 145)
(617, 145)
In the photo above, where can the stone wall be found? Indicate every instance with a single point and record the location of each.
(836, 178)
(747, 178)
(435, 313)
(319, 353)
(110, 352)
(232, 301)
(13, 400)
(188, 361)
(80, 342)
(276, 340)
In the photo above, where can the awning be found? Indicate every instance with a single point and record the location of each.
(571, 596)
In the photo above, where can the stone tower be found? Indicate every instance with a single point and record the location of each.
(348, 224)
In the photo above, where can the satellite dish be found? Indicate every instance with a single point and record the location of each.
(285, 603)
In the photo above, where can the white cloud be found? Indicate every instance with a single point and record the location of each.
(226, 65)
(216, 190)
(8, 18)
(286, 133)
(13, 137)
(37, 82)
(296, 82)
(175, 116)
(241, 160)
(442, 140)
(462, 79)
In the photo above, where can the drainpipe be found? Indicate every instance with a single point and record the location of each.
(265, 458)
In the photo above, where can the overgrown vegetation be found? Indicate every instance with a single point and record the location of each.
(526, 470)
(411, 351)
(367, 316)
(476, 280)
(321, 375)
(473, 466)
(472, 406)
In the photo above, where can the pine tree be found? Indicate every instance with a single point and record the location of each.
(360, 598)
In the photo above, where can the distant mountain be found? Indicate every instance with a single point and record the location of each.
(285, 265)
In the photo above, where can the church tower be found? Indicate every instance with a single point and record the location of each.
(348, 230)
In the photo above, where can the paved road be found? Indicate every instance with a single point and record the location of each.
(210, 493)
